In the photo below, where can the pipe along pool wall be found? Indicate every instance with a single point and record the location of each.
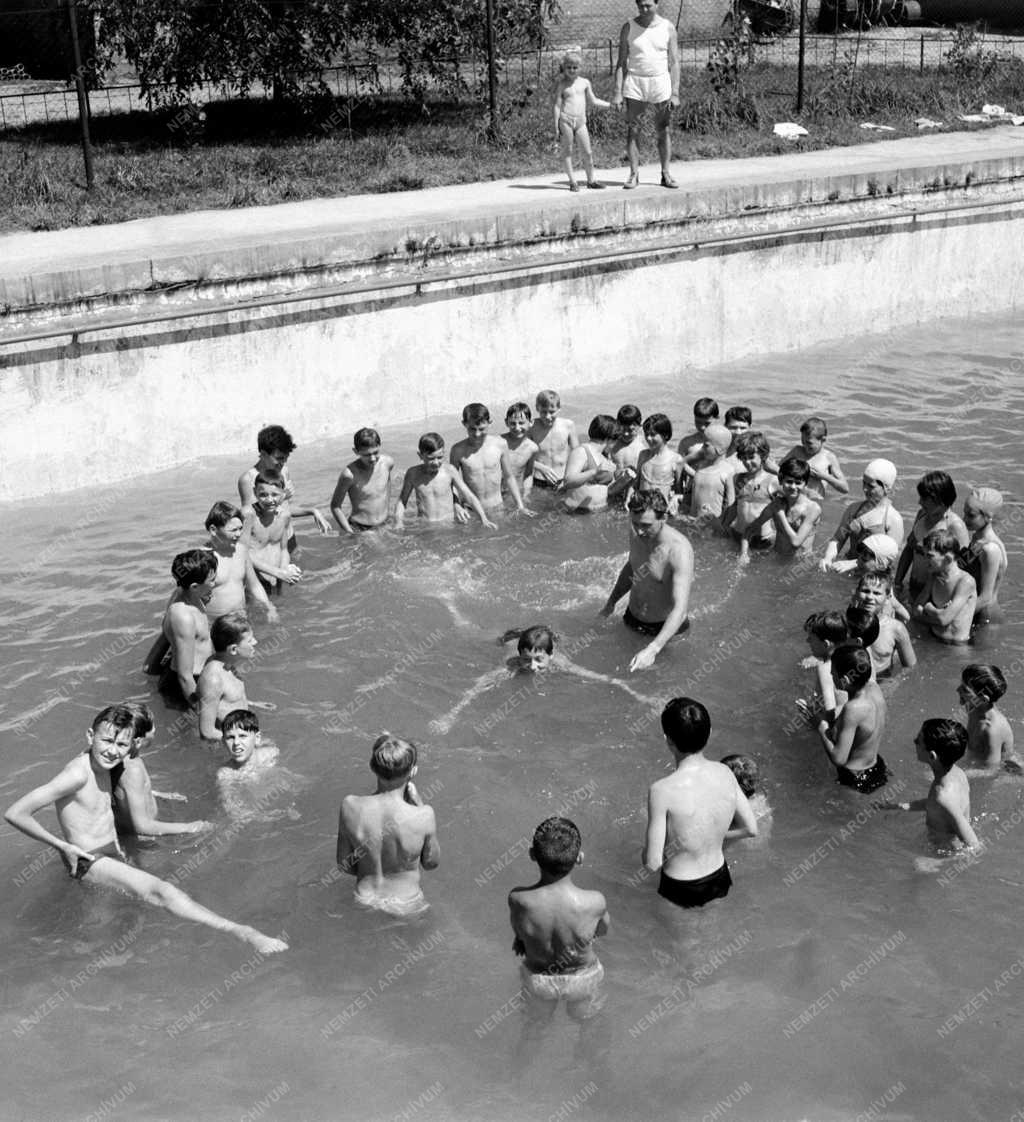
(104, 380)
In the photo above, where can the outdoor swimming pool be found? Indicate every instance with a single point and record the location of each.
(833, 977)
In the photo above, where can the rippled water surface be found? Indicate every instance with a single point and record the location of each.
(116, 1011)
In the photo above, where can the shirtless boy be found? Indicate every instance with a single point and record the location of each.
(657, 575)
(239, 782)
(946, 603)
(432, 481)
(186, 626)
(712, 491)
(884, 637)
(484, 461)
(794, 516)
(989, 733)
(235, 573)
(134, 801)
(692, 812)
(852, 743)
(521, 449)
(555, 923)
(947, 807)
(821, 461)
(984, 556)
(555, 438)
(270, 530)
(753, 487)
(691, 447)
(220, 689)
(275, 445)
(81, 795)
(367, 483)
(385, 838)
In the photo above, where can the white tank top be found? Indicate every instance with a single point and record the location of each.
(648, 48)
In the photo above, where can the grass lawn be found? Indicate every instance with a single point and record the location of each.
(256, 153)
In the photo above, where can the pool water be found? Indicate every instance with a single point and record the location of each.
(836, 980)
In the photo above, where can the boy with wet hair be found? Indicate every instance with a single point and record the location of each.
(793, 515)
(134, 800)
(81, 795)
(434, 484)
(275, 445)
(691, 447)
(220, 689)
(852, 741)
(882, 635)
(236, 576)
(484, 462)
(555, 438)
(555, 924)
(385, 838)
(186, 627)
(270, 531)
(367, 483)
(824, 631)
(625, 450)
(946, 603)
(989, 734)
(521, 449)
(692, 812)
(244, 784)
(947, 806)
(821, 462)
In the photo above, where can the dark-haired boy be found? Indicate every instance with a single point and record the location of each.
(385, 838)
(241, 791)
(186, 626)
(270, 531)
(852, 741)
(822, 463)
(435, 484)
(81, 795)
(793, 516)
(629, 442)
(220, 689)
(521, 449)
(691, 447)
(235, 573)
(692, 812)
(484, 462)
(947, 807)
(275, 445)
(555, 923)
(367, 483)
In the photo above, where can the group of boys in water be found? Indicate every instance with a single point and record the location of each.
(720, 476)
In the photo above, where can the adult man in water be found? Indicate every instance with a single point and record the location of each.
(647, 73)
(657, 576)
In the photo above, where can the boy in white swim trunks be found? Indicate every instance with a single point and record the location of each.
(385, 838)
(647, 73)
(555, 923)
(571, 98)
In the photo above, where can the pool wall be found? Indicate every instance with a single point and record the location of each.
(119, 362)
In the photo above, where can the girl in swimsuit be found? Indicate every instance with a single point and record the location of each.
(874, 515)
(659, 468)
(984, 556)
(937, 494)
(588, 471)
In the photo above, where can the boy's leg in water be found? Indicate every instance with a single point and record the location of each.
(144, 886)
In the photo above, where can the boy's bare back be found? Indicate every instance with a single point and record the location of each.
(698, 804)
(555, 925)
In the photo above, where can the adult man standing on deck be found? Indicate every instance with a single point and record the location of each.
(647, 73)
(657, 575)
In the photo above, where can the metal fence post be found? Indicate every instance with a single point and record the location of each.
(83, 98)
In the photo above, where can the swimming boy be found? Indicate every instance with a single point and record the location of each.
(270, 530)
(659, 467)
(692, 812)
(220, 689)
(754, 487)
(186, 626)
(947, 806)
(824, 468)
(433, 482)
(235, 573)
(555, 924)
(989, 734)
(875, 514)
(521, 449)
(81, 795)
(794, 516)
(572, 96)
(484, 461)
(385, 838)
(657, 575)
(275, 445)
(852, 742)
(367, 483)
(244, 783)
(712, 491)
(555, 438)
(984, 557)
(134, 800)
(946, 603)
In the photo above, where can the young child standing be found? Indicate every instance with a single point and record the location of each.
(367, 483)
(822, 463)
(882, 635)
(270, 530)
(989, 735)
(753, 486)
(795, 517)
(484, 461)
(555, 438)
(852, 742)
(433, 483)
(985, 555)
(691, 447)
(521, 449)
(936, 494)
(947, 807)
(555, 924)
(658, 467)
(712, 491)
(275, 445)
(946, 603)
(573, 95)
(220, 689)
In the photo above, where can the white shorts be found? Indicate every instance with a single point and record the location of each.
(654, 90)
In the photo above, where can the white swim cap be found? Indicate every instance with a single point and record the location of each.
(882, 470)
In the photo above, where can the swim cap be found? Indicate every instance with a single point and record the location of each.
(987, 499)
(882, 546)
(882, 470)
(719, 437)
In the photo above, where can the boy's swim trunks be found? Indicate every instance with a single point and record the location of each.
(400, 906)
(581, 989)
(866, 781)
(696, 893)
(646, 628)
(83, 865)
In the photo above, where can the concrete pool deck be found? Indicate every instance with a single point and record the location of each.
(52, 269)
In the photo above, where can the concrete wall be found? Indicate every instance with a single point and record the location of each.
(98, 384)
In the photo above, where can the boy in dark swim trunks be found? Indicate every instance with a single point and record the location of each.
(852, 742)
(555, 924)
(81, 795)
(691, 812)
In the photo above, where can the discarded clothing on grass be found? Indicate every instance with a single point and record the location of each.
(789, 131)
